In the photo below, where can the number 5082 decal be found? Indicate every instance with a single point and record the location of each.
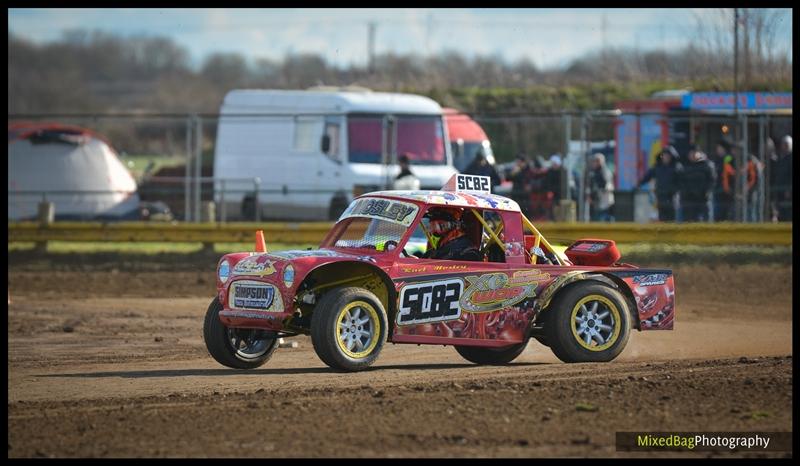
(430, 302)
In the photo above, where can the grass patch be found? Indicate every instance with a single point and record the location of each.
(136, 164)
(694, 254)
(760, 414)
(585, 407)
(639, 254)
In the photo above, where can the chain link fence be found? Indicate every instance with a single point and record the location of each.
(171, 157)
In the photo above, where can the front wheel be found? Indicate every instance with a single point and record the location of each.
(238, 348)
(349, 328)
(491, 356)
(589, 322)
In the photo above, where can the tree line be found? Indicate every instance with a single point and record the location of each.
(94, 71)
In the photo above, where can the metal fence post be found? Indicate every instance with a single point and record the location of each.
(256, 187)
(762, 148)
(766, 211)
(744, 159)
(579, 183)
(222, 212)
(198, 149)
(187, 213)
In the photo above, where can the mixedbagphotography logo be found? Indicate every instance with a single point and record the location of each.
(704, 441)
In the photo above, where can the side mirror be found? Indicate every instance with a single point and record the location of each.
(325, 143)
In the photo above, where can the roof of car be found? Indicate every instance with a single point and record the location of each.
(454, 199)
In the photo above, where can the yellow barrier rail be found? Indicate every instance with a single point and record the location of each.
(313, 232)
(165, 232)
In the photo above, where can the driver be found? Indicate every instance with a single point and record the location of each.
(446, 225)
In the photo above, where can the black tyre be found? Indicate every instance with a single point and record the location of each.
(542, 339)
(589, 322)
(249, 207)
(233, 347)
(348, 328)
(491, 356)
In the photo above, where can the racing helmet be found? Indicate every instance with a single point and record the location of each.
(443, 220)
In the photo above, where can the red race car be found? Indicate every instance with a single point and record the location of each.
(486, 283)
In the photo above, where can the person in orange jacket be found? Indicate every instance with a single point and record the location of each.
(723, 190)
(751, 170)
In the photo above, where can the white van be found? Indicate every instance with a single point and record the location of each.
(315, 150)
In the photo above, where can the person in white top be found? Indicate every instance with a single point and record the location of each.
(406, 180)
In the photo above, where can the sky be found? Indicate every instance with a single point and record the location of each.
(550, 38)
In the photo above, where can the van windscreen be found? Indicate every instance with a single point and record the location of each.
(419, 137)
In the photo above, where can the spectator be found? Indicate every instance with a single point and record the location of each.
(696, 184)
(600, 190)
(666, 172)
(481, 166)
(725, 178)
(537, 184)
(781, 182)
(553, 182)
(520, 183)
(406, 178)
(755, 180)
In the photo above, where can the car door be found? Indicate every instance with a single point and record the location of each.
(462, 302)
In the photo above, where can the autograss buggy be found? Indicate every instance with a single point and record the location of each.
(362, 288)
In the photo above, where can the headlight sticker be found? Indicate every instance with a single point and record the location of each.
(224, 271)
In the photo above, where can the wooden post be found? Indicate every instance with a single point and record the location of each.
(209, 211)
(47, 214)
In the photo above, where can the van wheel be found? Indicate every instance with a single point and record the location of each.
(249, 207)
(349, 328)
(338, 204)
(590, 322)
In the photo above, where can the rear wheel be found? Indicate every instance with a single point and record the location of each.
(235, 347)
(491, 356)
(348, 328)
(589, 322)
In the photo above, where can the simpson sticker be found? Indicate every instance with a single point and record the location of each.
(649, 280)
(430, 302)
(254, 295)
(254, 265)
(494, 291)
(383, 209)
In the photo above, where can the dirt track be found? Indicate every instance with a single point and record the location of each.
(111, 362)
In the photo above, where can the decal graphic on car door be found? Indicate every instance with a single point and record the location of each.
(495, 304)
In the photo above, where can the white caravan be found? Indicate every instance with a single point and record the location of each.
(72, 167)
(313, 151)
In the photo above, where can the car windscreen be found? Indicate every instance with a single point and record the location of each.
(368, 233)
(421, 138)
(369, 222)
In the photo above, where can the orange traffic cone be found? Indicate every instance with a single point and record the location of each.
(261, 245)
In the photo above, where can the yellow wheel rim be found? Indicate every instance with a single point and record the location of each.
(595, 322)
(358, 329)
